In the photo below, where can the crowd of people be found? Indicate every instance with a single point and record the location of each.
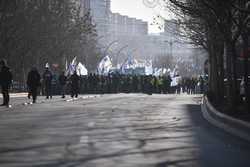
(44, 84)
(194, 85)
(117, 83)
(49, 84)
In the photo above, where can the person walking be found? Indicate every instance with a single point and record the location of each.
(33, 83)
(63, 82)
(74, 79)
(47, 79)
(5, 82)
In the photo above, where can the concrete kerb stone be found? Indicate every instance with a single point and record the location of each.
(13, 95)
(231, 125)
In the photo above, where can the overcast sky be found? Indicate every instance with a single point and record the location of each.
(137, 9)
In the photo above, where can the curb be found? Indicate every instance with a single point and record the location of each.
(229, 124)
(18, 95)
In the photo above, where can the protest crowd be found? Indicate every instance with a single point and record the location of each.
(49, 84)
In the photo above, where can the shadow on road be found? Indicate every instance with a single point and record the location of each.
(176, 137)
(216, 147)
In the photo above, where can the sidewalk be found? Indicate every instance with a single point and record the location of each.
(230, 124)
(19, 100)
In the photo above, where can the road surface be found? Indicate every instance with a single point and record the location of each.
(124, 130)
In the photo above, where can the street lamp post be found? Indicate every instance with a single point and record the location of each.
(119, 52)
(102, 36)
(134, 50)
(109, 46)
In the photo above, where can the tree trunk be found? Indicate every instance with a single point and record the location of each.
(229, 74)
(246, 57)
(213, 76)
(221, 74)
(236, 93)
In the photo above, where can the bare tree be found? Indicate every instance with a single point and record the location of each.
(35, 32)
(216, 25)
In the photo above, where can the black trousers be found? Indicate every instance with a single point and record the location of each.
(33, 92)
(74, 91)
(6, 96)
(48, 91)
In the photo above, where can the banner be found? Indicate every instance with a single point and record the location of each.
(104, 66)
(149, 68)
(72, 66)
(175, 81)
(47, 65)
(81, 70)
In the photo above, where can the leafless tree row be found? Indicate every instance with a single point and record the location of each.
(34, 32)
(221, 27)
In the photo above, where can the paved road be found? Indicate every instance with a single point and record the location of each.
(132, 130)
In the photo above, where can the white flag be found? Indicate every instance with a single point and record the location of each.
(74, 61)
(66, 65)
(104, 66)
(72, 66)
(149, 68)
(66, 68)
(81, 69)
(47, 65)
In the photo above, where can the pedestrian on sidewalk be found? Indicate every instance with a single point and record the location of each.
(33, 82)
(47, 81)
(74, 80)
(63, 83)
(5, 82)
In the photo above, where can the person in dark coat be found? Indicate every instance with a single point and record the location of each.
(63, 82)
(33, 83)
(5, 82)
(47, 79)
(74, 79)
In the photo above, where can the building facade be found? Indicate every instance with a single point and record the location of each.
(121, 26)
(128, 31)
(85, 6)
(99, 11)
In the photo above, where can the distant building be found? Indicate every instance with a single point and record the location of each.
(112, 25)
(120, 26)
(129, 31)
(85, 6)
(171, 29)
(99, 11)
